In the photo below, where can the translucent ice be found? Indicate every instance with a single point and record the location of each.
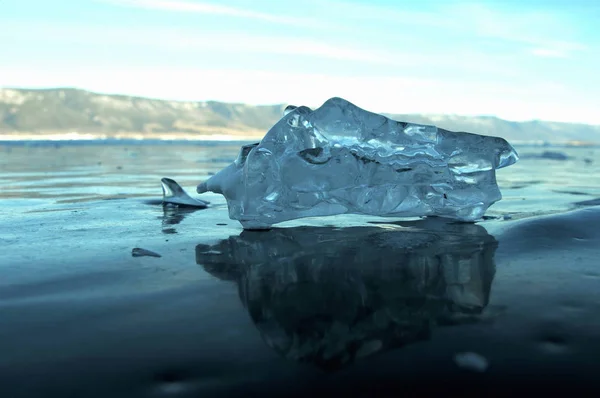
(340, 158)
(175, 195)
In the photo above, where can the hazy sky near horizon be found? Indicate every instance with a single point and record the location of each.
(518, 60)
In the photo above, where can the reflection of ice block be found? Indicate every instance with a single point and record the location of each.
(342, 159)
(330, 296)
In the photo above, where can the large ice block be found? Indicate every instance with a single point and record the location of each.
(340, 159)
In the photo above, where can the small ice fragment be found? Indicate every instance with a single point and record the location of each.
(139, 252)
(174, 194)
(471, 361)
(554, 155)
(341, 159)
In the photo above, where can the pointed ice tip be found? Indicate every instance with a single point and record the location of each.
(218, 182)
(170, 187)
(507, 157)
(288, 109)
(174, 194)
(201, 188)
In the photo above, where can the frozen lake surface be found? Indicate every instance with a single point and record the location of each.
(360, 306)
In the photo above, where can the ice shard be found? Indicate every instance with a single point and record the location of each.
(173, 194)
(340, 159)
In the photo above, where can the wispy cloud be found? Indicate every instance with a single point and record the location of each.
(557, 49)
(211, 9)
(543, 33)
(549, 53)
(190, 43)
(533, 28)
(542, 28)
(551, 33)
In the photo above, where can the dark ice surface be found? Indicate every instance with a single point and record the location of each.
(337, 306)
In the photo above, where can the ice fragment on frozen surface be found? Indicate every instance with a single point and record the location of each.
(139, 252)
(471, 361)
(174, 194)
(340, 158)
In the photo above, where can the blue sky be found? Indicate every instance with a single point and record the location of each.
(518, 60)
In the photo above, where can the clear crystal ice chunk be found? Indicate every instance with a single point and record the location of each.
(341, 159)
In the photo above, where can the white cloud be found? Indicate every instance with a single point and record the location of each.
(211, 9)
(544, 28)
(548, 53)
(558, 49)
(162, 42)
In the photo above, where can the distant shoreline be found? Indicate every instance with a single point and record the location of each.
(186, 137)
(61, 137)
(64, 114)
